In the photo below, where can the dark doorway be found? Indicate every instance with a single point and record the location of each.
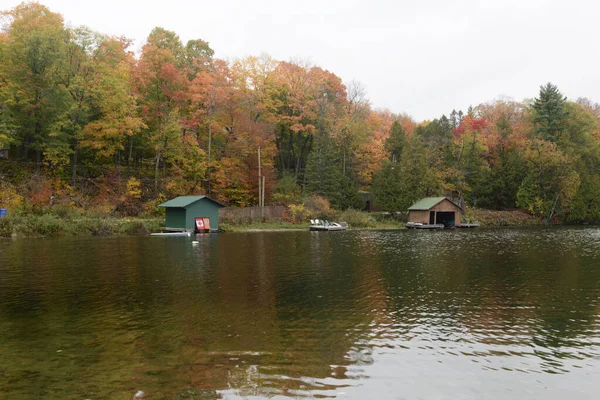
(446, 218)
(431, 217)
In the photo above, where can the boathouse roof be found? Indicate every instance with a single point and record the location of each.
(428, 203)
(185, 201)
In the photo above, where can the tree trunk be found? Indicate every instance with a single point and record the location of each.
(278, 145)
(118, 161)
(38, 160)
(301, 153)
(344, 162)
(553, 209)
(130, 154)
(290, 150)
(74, 166)
(156, 170)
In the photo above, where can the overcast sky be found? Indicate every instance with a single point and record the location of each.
(423, 58)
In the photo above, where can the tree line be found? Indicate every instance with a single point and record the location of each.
(72, 98)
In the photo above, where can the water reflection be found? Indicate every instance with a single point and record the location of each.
(300, 314)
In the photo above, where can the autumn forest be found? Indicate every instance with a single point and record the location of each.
(87, 122)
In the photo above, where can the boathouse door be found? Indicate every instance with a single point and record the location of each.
(431, 217)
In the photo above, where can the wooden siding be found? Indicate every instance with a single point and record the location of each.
(175, 218)
(418, 216)
(251, 213)
(203, 208)
(180, 218)
(445, 205)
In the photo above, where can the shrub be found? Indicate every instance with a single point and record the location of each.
(39, 192)
(298, 213)
(317, 206)
(10, 197)
(6, 226)
(155, 225)
(287, 190)
(152, 209)
(135, 227)
(50, 225)
(101, 210)
(45, 225)
(65, 211)
(101, 227)
(356, 219)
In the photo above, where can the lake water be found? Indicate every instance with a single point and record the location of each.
(472, 314)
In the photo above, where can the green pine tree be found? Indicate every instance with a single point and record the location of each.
(395, 143)
(322, 169)
(550, 113)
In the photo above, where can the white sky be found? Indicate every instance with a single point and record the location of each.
(420, 57)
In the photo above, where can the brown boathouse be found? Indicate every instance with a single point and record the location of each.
(435, 211)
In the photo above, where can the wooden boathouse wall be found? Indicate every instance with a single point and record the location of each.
(181, 213)
(445, 205)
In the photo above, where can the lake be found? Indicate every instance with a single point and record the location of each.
(463, 314)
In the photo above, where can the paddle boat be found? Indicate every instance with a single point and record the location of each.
(321, 225)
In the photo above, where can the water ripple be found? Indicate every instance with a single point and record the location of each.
(496, 313)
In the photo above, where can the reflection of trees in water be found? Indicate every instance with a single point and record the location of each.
(272, 320)
(292, 314)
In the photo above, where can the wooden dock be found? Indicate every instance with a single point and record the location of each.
(412, 225)
(470, 225)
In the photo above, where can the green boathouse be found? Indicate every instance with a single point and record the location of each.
(192, 214)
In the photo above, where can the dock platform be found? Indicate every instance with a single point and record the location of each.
(412, 225)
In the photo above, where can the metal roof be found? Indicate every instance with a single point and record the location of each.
(429, 202)
(184, 201)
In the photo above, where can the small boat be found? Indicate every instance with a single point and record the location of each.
(171, 234)
(320, 225)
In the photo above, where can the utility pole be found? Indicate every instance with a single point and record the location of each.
(210, 116)
(259, 180)
(263, 192)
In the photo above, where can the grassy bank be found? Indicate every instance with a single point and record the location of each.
(32, 225)
(364, 220)
(274, 226)
(262, 226)
(355, 219)
(60, 223)
(500, 217)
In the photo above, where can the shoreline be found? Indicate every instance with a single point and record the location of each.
(52, 225)
(82, 224)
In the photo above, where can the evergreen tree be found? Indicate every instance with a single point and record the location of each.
(395, 143)
(387, 188)
(500, 186)
(324, 176)
(398, 185)
(323, 169)
(550, 113)
(347, 195)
